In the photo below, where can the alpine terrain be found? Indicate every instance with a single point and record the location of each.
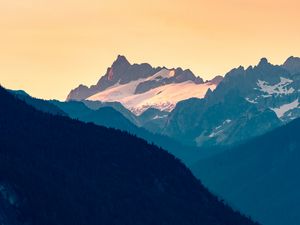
(140, 86)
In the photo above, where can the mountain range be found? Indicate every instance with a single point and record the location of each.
(255, 174)
(55, 170)
(224, 111)
(140, 86)
(247, 103)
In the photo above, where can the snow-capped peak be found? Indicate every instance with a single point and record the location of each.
(164, 96)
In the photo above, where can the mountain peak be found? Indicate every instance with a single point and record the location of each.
(292, 59)
(263, 62)
(121, 60)
(216, 80)
(292, 64)
(208, 93)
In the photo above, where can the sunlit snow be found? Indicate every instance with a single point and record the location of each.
(164, 97)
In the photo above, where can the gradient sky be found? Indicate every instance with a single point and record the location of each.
(48, 47)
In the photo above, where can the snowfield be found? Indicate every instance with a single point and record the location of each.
(164, 97)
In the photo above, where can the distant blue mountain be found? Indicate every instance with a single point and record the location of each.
(260, 177)
(39, 104)
(104, 115)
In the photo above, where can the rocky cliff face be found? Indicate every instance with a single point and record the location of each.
(120, 72)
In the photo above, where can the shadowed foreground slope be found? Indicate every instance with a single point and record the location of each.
(54, 170)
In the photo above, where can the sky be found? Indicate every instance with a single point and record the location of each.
(48, 47)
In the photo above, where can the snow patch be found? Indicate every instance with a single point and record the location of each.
(285, 108)
(159, 117)
(218, 130)
(251, 100)
(277, 89)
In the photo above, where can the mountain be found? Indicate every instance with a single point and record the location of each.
(39, 104)
(109, 117)
(140, 86)
(292, 64)
(228, 122)
(153, 119)
(267, 86)
(95, 105)
(103, 115)
(55, 170)
(114, 115)
(246, 103)
(260, 177)
(120, 71)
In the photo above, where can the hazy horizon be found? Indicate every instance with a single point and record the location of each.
(50, 47)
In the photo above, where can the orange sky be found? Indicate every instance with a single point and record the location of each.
(48, 47)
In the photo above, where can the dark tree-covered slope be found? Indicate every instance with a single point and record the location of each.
(109, 116)
(54, 170)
